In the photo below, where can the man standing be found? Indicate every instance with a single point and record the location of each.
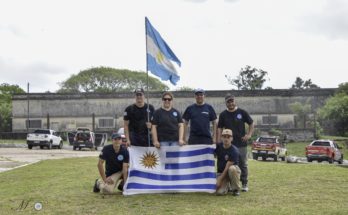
(200, 115)
(116, 160)
(136, 121)
(234, 118)
(167, 124)
(228, 172)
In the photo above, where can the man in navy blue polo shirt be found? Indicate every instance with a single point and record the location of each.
(116, 158)
(199, 115)
(228, 172)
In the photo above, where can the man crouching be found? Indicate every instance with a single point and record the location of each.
(228, 172)
(116, 158)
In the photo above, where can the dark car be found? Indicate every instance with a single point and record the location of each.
(84, 139)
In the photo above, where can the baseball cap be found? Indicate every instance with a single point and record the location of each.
(115, 136)
(229, 97)
(227, 132)
(139, 90)
(199, 90)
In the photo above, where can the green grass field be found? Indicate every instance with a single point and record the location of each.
(65, 187)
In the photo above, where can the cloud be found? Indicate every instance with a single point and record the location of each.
(231, 1)
(197, 1)
(12, 29)
(331, 21)
(39, 75)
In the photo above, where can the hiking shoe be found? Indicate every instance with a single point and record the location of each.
(245, 188)
(235, 193)
(95, 188)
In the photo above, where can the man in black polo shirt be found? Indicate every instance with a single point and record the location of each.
(137, 121)
(228, 172)
(116, 158)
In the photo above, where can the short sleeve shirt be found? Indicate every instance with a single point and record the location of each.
(114, 161)
(137, 117)
(224, 155)
(167, 123)
(236, 122)
(200, 117)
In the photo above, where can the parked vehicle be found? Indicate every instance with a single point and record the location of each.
(44, 138)
(84, 138)
(268, 146)
(321, 150)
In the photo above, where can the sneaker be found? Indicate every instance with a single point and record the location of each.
(235, 193)
(245, 188)
(95, 188)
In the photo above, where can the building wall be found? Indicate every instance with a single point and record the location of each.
(68, 111)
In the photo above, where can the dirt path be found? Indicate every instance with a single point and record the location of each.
(16, 157)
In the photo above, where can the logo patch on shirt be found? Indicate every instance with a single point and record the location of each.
(175, 114)
(239, 116)
(204, 112)
(226, 157)
(120, 157)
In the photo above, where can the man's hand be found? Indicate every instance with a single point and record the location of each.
(181, 142)
(246, 138)
(156, 144)
(148, 125)
(109, 180)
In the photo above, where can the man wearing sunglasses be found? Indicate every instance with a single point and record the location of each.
(234, 118)
(116, 158)
(137, 121)
(167, 124)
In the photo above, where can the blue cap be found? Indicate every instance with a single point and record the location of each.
(115, 136)
(199, 90)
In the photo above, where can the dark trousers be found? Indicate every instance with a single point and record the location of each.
(139, 139)
(243, 164)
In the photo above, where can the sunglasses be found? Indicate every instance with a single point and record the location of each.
(139, 94)
(166, 99)
(118, 138)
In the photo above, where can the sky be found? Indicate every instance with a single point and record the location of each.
(44, 42)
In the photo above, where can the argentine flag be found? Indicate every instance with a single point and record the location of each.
(170, 169)
(159, 55)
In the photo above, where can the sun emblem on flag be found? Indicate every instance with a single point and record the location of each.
(149, 160)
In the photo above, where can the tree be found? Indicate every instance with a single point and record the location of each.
(248, 79)
(6, 92)
(301, 84)
(185, 88)
(107, 80)
(302, 111)
(336, 110)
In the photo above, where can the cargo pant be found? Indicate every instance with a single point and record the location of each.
(231, 181)
(109, 188)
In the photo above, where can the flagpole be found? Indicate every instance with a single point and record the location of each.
(147, 88)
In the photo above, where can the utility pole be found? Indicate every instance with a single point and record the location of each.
(28, 123)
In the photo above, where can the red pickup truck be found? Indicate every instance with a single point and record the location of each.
(321, 150)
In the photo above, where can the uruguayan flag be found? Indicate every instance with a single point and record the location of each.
(159, 55)
(171, 169)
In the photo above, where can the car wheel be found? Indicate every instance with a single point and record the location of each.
(80, 148)
(30, 146)
(255, 156)
(74, 148)
(309, 160)
(275, 158)
(60, 145)
(96, 148)
(263, 158)
(50, 146)
(283, 158)
(340, 161)
(330, 160)
(41, 147)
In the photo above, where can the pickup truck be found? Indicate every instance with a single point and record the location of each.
(44, 137)
(321, 150)
(268, 146)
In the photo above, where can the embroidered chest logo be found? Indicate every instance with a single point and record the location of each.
(239, 116)
(226, 157)
(175, 114)
(120, 157)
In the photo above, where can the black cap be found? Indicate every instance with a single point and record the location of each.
(115, 136)
(139, 90)
(229, 97)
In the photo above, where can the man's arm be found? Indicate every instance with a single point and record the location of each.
(214, 131)
(218, 135)
(185, 129)
(126, 131)
(181, 134)
(155, 137)
(250, 132)
(101, 169)
(223, 174)
(125, 171)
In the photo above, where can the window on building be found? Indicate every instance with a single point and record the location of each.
(269, 120)
(37, 123)
(106, 123)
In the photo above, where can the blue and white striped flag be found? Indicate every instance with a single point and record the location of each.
(159, 55)
(171, 169)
